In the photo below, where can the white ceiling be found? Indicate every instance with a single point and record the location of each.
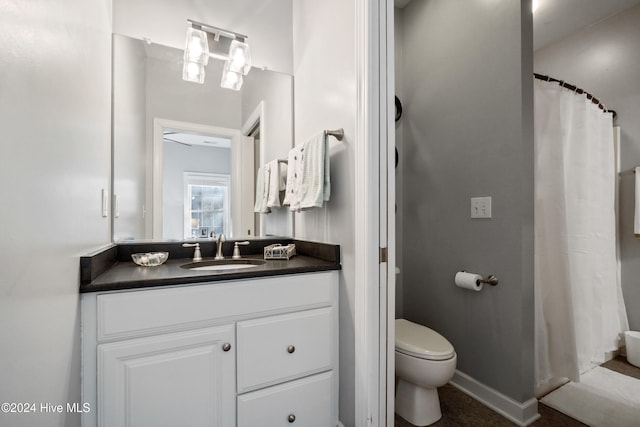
(556, 19)
(191, 139)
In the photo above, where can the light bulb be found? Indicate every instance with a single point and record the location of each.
(193, 72)
(238, 59)
(196, 46)
(192, 69)
(231, 78)
(195, 49)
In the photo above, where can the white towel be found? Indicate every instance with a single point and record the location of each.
(273, 187)
(636, 220)
(316, 185)
(295, 172)
(283, 168)
(262, 189)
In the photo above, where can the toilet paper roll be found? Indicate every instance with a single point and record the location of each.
(468, 281)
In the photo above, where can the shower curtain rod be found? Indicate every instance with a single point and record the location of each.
(577, 90)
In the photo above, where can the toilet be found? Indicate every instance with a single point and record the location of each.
(425, 360)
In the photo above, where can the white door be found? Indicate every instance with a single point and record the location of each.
(185, 378)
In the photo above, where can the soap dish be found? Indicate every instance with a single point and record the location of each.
(150, 259)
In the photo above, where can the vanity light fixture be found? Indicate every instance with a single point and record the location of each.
(239, 57)
(196, 55)
(204, 41)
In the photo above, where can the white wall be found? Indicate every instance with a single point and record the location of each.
(55, 73)
(275, 90)
(129, 136)
(604, 59)
(324, 65)
(266, 23)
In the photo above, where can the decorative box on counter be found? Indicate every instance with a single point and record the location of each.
(277, 251)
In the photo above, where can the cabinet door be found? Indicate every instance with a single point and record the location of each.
(185, 378)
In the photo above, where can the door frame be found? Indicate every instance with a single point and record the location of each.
(374, 204)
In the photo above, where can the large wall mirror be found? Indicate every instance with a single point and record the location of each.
(185, 154)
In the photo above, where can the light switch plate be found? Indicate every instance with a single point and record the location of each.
(481, 207)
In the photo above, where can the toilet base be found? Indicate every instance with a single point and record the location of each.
(418, 405)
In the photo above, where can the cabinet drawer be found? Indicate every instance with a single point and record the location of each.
(279, 348)
(130, 314)
(306, 402)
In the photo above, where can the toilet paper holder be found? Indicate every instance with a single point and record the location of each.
(490, 280)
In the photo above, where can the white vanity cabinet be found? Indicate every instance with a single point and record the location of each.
(251, 352)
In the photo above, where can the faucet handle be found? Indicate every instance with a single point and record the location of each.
(236, 249)
(197, 256)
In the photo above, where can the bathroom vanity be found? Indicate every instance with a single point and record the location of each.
(211, 348)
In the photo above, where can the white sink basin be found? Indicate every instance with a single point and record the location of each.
(223, 264)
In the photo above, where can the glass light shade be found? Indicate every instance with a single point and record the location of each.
(230, 78)
(196, 46)
(239, 57)
(193, 72)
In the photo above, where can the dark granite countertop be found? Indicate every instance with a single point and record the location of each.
(111, 268)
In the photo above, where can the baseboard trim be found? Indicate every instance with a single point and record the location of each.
(523, 414)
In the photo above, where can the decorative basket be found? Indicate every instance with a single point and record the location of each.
(277, 251)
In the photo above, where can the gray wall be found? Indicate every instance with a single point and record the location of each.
(55, 115)
(604, 59)
(467, 133)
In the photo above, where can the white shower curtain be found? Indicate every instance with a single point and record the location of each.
(579, 305)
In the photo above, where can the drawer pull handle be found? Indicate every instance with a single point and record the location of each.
(226, 346)
(291, 418)
(291, 349)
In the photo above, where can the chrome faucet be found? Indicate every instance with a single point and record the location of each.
(197, 256)
(221, 239)
(236, 249)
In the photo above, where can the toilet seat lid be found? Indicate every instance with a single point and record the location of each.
(420, 341)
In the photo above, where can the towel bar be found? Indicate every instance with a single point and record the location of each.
(338, 133)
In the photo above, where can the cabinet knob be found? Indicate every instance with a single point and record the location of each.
(291, 418)
(226, 346)
(291, 349)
